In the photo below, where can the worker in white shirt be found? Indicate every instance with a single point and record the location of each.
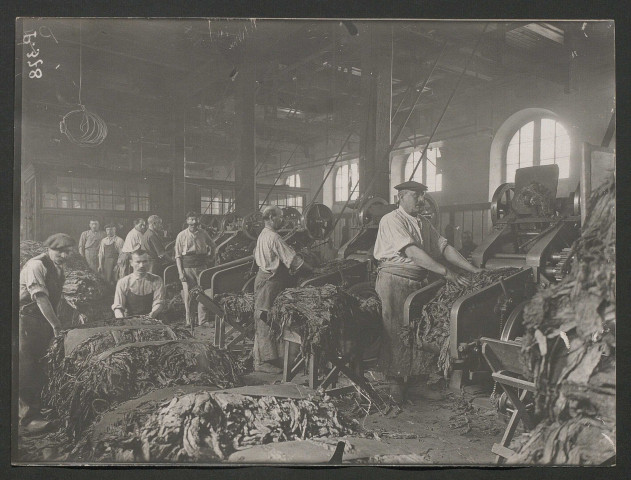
(109, 250)
(409, 251)
(89, 244)
(141, 292)
(133, 242)
(194, 251)
(275, 260)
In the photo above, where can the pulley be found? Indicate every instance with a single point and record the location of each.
(514, 326)
(253, 225)
(230, 223)
(575, 201)
(372, 210)
(501, 201)
(430, 211)
(317, 220)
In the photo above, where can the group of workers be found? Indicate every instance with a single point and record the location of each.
(408, 250)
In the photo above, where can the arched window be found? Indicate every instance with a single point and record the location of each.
(345, 180)
(543, 141)
(426, 173)
(293, 180)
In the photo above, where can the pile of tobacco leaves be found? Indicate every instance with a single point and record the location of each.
(111, 367)
(84, 291)
(239, 306)
(324, 317)
(235, 251)
(432, 326)
(175, 311)
(209, 426)
(570, 349)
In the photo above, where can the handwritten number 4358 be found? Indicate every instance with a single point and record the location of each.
(37, 73)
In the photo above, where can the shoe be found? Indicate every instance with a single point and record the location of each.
(267, 367)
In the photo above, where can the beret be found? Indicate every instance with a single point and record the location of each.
(58, 241)
(411, 185)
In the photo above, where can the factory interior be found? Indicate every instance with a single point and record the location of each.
(342, 242)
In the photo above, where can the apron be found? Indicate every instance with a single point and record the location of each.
(396, 357)
(194, 261)
(110, 257)
(267, 286)
(138, 304)
(35, 334)
(92, 252)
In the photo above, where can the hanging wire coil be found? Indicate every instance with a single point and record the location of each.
(92, 129)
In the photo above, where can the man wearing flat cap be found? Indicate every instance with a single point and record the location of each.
(41, 282)
(109, 251)
(408, 249)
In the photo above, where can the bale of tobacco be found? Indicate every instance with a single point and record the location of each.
(208, 426)
(432, 326)
(83, 290)
(88, 383)
(325, 317)
(569, 347)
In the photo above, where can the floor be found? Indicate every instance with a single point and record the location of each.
(456, 430)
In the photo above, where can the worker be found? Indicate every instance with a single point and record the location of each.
(468, 246)
(407, 249)
(194, 252)
(89, 243)
(109, 250)
(141, 292)
(152, 243)
(275, 260)
(41, 282)
(133, 242)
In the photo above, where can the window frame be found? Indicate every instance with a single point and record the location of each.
(212, 193)
(350, 182)
(423, 168)
(536, 145)
(296, 180)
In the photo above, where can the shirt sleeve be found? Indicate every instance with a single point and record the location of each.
(82, 240)
(396, 233)
(438, 243)
(212, 248)
(159, 302)
(101, 250)
(35, 278)
(285, 253)
(119, 244)
(119, 296)
(178, 245)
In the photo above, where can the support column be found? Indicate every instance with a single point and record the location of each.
(179, 187)
(374, 140)
(245, 178)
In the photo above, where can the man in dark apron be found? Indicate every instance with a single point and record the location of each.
(141, 292)
(109, 250)
(41, 283)
(275, 259)
(408, 248)
(194, 252)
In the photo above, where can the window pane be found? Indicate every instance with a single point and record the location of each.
(64, 184)
(431, 176)
(525, 154)
(78, 200)
(547, 128)
(50, 200)
(106, 202)
(92, 186)
(512, 155)
(564, 167)
(439, 182)
(93, 202)
(143, 189)
(106, 188)
(527, 133)
(562, 146)
(547, 150)
(119, 202)
(64, 200)
(144, 204)
(515, 139)
(78, 185)
(510, 172)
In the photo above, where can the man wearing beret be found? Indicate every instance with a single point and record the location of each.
(41, 282)
(109, 250)
(408, 249)
(89, 244)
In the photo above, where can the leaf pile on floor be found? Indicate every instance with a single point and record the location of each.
(83, 289)
(324, 316)
(209, 426)
(467, 418)
(101, 372)
(570, 347)
(432, 325)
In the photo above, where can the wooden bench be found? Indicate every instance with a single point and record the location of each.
(503, 358)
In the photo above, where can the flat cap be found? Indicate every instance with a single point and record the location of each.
(111, 225)
(411, 185)
(58, 241)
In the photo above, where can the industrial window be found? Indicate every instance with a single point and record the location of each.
(427, 173)
(282, 200)
(346, 179)
(96, 194)
(543, 141)
(293, 180)
(216, 201)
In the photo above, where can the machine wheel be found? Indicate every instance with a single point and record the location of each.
(501, 201)
(514, 326)
(230, 222)
(317, 219)
(292, 218)
(575, 199)
(431, 211)
(253, 225)
(364, 215)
